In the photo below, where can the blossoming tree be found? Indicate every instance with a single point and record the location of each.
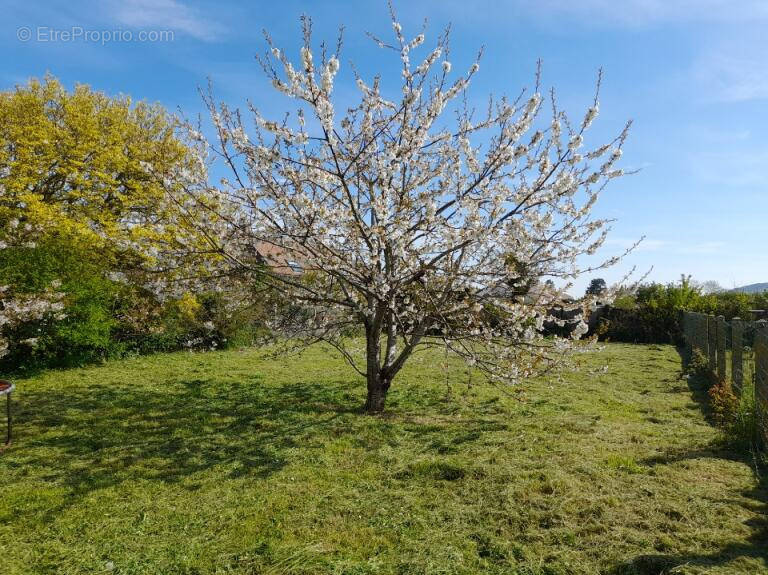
(413, 225)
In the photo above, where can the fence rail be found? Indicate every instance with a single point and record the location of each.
(736, 354)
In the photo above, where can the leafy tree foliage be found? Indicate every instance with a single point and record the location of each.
(652, 312)
(597, 287)
(83, 179)
(82, 164)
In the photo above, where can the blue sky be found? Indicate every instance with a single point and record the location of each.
(692, 74)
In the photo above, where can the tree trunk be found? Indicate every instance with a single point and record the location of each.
(377, 393)
(378, 385)
(379, 375)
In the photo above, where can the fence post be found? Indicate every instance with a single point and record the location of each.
(712, 343)
(721, 327)
(761, 378)
(737, 355)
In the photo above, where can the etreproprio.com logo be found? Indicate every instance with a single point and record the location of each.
(80, 34)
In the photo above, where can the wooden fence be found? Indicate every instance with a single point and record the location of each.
(735, 352)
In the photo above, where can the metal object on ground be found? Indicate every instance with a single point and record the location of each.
(6, 388)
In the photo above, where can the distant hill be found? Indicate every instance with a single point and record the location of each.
(752, 288)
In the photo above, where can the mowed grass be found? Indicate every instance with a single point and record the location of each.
(230, 462)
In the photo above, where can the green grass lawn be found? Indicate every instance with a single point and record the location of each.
(232, 463)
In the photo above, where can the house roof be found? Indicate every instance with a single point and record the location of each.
(279, 259)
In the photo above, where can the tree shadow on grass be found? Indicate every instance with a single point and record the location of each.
(190, 430)
(754, 547)
(94, 436)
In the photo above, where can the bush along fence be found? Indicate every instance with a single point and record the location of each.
(735, 355)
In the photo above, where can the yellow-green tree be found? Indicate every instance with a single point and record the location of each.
(82, 162)
(89, 174)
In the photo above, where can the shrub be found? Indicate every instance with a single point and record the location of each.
(735, 415)
(107, 318)
(652, 314)
(698, 365)
(84, 334)
(723, 403)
